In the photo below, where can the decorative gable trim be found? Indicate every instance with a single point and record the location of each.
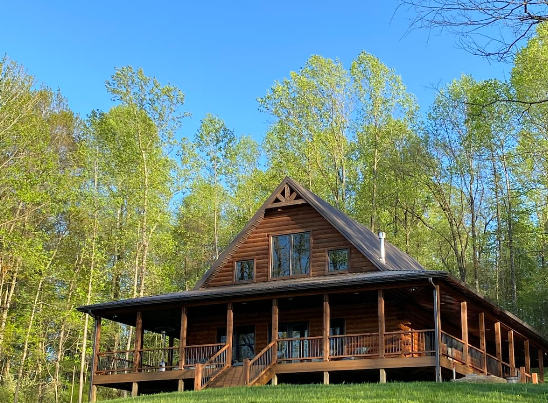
(286, 197)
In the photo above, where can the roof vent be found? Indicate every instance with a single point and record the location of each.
(382, 235)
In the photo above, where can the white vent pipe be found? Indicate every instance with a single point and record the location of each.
(382, 235)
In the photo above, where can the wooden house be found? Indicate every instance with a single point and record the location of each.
(306, 294)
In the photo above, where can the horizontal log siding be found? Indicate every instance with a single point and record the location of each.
(289, 220)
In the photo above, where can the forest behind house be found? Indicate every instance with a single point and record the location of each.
(117, 205)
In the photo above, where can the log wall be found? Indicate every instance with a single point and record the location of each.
(288, 220)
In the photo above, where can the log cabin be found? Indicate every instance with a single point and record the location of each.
(305, 294)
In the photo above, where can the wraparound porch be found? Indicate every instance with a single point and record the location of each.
(179, 366)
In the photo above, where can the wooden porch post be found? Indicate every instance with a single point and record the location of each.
(95, 359)
(182, 345)
(275, 313)
(522, 377)
(541, 365)
(483, 343)
(527, 357)
(274, 335)
(229, 332)
(326, 323)
(498, 345)
(382, 323)
(134, 389)
(437, 330)
(511, 355)
(137, 351)
(464, 328)
(382, 326)
(326, 320)
(198, 376)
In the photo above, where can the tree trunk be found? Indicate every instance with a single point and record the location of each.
(496, 183)
(7, 302)
(27, 339)
(90, 278)
(513, 281)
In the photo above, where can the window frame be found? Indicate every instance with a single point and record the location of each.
(235, 269)
(327, 261)
(271, 256)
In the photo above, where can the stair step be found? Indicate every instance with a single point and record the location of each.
(233, 376)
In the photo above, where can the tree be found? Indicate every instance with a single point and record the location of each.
(148, 117)
(223, 193)
(385, 113)
(529, 80)
(215, 142)
(309, 139)
(498, 126)
(493, 29)
(455, 169)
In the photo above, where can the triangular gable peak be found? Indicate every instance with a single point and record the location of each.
(289, 196)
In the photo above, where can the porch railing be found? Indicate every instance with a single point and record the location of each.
(208, 371)
(452, 347)
(153, 359)
(115, 362)
(159, 359)
(353, 345)
(201, 353)
(300, 349)
(476, 358)
(411, 343)
(493, 365)
(506, 370)
(261, 363)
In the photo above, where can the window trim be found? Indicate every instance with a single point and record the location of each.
(327, 261)
(235, 271)
(271, 260)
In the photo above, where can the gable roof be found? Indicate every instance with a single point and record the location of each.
(361, 237)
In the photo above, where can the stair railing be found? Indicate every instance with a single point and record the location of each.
(205, 373)
(260, 363)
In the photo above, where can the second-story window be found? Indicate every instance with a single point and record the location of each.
(337, 260)
(290, 254)
(244, 270)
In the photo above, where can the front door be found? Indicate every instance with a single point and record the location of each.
(243, 342)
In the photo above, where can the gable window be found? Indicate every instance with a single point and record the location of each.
(337, 260)
(244, 270)
(290, 254)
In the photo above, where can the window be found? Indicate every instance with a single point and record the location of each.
(244, 270)
(337, 260)
(290, 254)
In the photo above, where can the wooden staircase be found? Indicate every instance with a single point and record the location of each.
(232, 376)
(265, 377)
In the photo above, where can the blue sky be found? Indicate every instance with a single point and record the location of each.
(221, 54)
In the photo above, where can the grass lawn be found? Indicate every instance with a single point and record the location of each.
(423, 392)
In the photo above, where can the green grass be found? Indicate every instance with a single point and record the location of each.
(422, 392)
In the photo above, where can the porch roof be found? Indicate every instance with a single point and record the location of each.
(271, 288)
